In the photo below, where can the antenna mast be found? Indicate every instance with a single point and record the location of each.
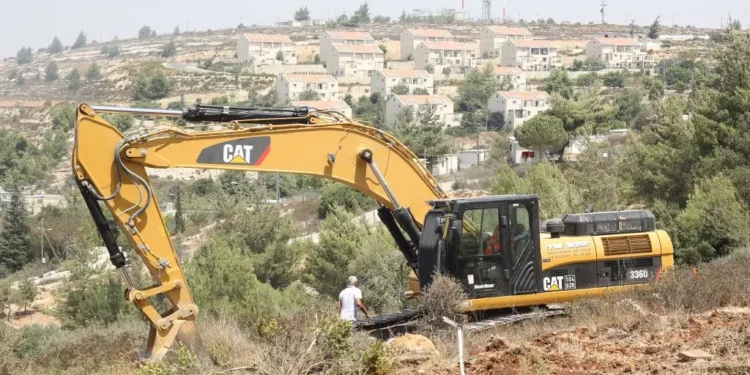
(604, 4)
(487, 11)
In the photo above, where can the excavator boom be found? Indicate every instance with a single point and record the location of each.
(111, 169)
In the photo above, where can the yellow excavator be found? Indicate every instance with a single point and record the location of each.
(495, 246)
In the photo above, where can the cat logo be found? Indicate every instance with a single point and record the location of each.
(237, 153)
(250, 151)
(551, 284)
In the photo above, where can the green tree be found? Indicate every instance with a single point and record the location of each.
(542, 132)
(400, 89)
(713, 223)
(151, 88)
(28, 293)
(339, 195)
(280, 55)
(559, 82)
(15, 238)
(112, 51)
(629, 103)
(655, 30)
(93, 72)
(179, 219)
(420, 91)
(55, 47)
(51, 71)
(74, 79)
(145, 32)
(302, 14)
(121, 122)
(427, 139)
(614, 79)
(476, 89)
(24, 56)
(381, 19)
(496, 121)
(176, 31)
(90, 300)
(169, 49)
(310, 95)
(587, 80)
(361, 15)
(80, 41)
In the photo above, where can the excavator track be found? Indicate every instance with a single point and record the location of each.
(405, 318)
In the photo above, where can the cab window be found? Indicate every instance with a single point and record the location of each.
(480, 233)
(520, 230)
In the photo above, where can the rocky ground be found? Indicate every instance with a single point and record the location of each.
(714, 342)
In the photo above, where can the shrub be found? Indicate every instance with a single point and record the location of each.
(441, 299)
(337, 194)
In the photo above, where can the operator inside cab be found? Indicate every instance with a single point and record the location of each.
(493, 245)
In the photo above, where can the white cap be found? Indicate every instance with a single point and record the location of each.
(352, 280)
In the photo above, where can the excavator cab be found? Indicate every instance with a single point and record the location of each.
(490, 244)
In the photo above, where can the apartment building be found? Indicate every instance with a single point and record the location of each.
(411, 38)
(447, 57)
(531, 55)
(325, 105)
(263, 49)
(355, 60)
(619, 53)
(512, 75)
(419, 104)
(493, 38)
(518, 106)
(290, 86)
(383, 81)
(330, 38)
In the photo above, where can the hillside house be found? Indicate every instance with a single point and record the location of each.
(531, 55)
(420, 104)
(444, 165)
(325, 105)
(512, 75)
(619, 53)
(411, 38)
(355, 60)
(493, 38)
(520, 155)
(383, 81)
(518, 106)
(263, 49)
(330, 38)
(447, 57)
(290, 86)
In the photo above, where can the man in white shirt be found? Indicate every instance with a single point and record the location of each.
(350, 301)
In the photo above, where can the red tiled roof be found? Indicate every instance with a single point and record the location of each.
(505, 70)
(267, 38)
(503, 30)
(424, 99)
(350, 35)
(358, 48)
(530, 43)
(322, 104)
(310, 78)
(430, 33)
(452, 46)
(627, 42)
(405, 73)
(524, 95)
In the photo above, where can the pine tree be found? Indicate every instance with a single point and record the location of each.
(15, 243)
(55, 47)
(179, 220)
(80, 41)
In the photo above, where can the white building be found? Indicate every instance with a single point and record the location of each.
(263, 49)
(326, 105)
(290, 86)
(354, 60)
(411, 38)
(493, 38)
(619, 53)
(518, 106)
(520, 155)
(470, 158)
(419, 104)
(444, 164)
(383, 81)
(439, 57)
(330, 38)
(531, 55)
(512, 75)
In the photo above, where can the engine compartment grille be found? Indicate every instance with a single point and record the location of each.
(635, 244)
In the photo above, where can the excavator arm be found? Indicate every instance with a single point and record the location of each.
(110, 168)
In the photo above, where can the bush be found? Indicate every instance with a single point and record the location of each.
(151, 88)
(90, 301)
(169, 49)
(337, 194)
(51, 72)
(441, 299)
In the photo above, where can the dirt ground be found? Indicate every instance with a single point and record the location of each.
(650, 346)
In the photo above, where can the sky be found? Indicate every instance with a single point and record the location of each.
(35, 22)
